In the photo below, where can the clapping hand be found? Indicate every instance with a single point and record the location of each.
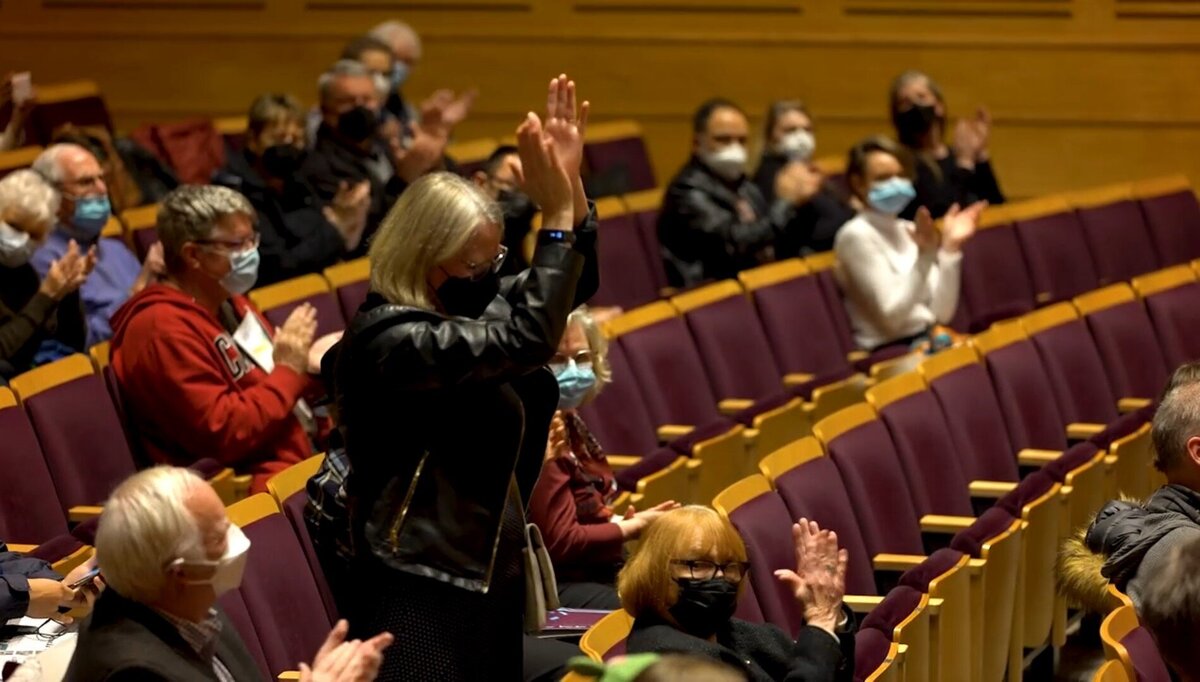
(566, 127)
(924, 232)
(959, 225)
(68, 273)
(819, 581)
(442, 111)
(342, 661)
(543, 176)
(971, 137)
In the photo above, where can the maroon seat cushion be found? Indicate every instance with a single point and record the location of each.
(995, 281)
(803, 336)
(899, 604)
(835, 308)
(671, 374)
(1076, 373)
(1026, 398)
(766, 527)
(1176, 319)
(1059, 264)
(933, 567)
(656, 461)
(871, 649)
(58, 547)
(618, 417)
(30, 511)
(234, 607)
(971, 540)
(1032, 487)
(737, 356)
(1147, 661)
(927, 453)
(1173, 221)
(619, 166)
(329, 313)
(976, 423)
(293, 509)
(1072, 459)
(627, 277)
(351, 296)
(1118, 240)
(748, 608)
(1124, 337)
(814, 490)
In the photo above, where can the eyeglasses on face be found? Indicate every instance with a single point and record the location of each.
(582, 359)
(477, 269)
(235, 245)
(702, 569)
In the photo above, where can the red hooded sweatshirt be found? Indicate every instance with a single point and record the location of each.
(190, 392)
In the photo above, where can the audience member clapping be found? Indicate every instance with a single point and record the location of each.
(81, 195)
(959, 174)
(682, 588)
(788, 147)
(167, 551)
(572, 500)
(40, 319)
(298, 235)
(714, 221)
(203, 374)
(899, 278)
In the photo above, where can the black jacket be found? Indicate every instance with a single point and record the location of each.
(943, 182)
(296, 237)
(439, 414)
(125, 640)
(27, 318)
(815, 223)
(1124, 532)
(331, 163)
(764, 652)
(15, 572)
(702, 235)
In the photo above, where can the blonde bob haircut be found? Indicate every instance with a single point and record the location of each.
(646, 583)
(597, 346)
(433, 220)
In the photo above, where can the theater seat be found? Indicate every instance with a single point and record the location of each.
(1172, 217)
(1170, 297)
(606, 639)
(644, 207)
(141, 226)
(77, 102)
(1116, 233)
(627, 269)
(615, 159)
(288, 487)
(1052, 240)
(16, 159)
(995, 280)
(277, 301)
(30, 511)
(350, 282)
(1124, 336)
(1126, 641)
(877, 657)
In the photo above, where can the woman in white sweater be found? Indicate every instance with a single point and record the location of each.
(899, 277)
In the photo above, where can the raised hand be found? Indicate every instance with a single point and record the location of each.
(442, 111)
(924, 232)
(635, 523)
(295, 337)
(543, 176)
(68, 273)
(557, 444)
(819, 581)
(798, 182)
(423, 153)
(959, 225)
(348, 211)
(566, 123)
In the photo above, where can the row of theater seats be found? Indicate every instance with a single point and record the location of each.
(1130, 652)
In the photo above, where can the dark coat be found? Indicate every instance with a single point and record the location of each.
(331, 163)
(764, 652)
(27, 318)
(814, 224)
(125, 640)
(702, 235)
(473, 401)
(1125, 532)
(15, 572)
(941, 183)
(296, 237)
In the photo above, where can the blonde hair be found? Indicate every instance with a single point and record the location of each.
(144, 526)
(597, 346)
(29, 201)
(646, 584)
(433, 220)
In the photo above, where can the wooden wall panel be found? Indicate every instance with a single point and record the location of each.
(1083, 91)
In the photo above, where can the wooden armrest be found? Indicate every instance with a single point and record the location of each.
(856, 355)
(289, 675)
(1032, 457)
(731, 406)
(935, 605)
(83, 513)
(1081, 431)
(693, 463)
(797, 378)
(860, 603)
(1042, 297)
(1110, 460)
(668, 432)
(667, 292)
(750, 435)
(1127, 405)
(991, 489)
(896, 562)
(949, 525)
(622, 461)
(21, 549)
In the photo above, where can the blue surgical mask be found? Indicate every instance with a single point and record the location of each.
(575, 383)
(243, 272)
(91, 215)
(891, 196)
(399, 74)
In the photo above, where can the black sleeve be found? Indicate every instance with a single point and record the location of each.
(320, 246)
(449, 352)
(18, 329)
(136, 674)
(586, 236)
(984, 184)
(816, 657)
(697, 214)
(15, 572)
(70, 322)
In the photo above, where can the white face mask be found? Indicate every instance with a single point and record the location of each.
(797, 145)
(729, 162)
(228, 570)
(16, 247)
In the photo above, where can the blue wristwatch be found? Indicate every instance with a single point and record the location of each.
(551, 236)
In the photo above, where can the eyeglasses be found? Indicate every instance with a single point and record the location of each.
(582, 359)
(493, 267)
(701, 569)
(236, 245)
(84, 183)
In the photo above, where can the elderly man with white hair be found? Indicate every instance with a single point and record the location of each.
(167, 552)
(83, 210)
(41, 318)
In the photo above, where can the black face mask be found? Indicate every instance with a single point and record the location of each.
(358, 125)
(704, 605)
(282, 160)
(468, 298)
(915, 122)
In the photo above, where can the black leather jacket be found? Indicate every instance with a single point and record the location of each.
(703, 237)
(440, 414)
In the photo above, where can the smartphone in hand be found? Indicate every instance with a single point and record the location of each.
(86, 579)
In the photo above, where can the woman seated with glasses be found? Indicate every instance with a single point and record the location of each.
(682, 588)
(572, 500)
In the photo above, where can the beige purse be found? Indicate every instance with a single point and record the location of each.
(541, 588)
